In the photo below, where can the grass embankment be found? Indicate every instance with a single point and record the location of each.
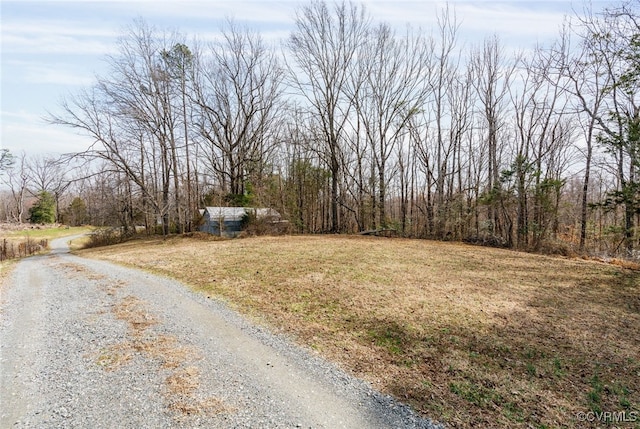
(470, 336)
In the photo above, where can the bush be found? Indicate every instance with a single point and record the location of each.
(486, 240)
(557, 247)
(253, 226)
(106, 237)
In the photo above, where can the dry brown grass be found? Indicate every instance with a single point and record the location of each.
(132, 310)
(183, 385)
(73, 270)
(471, 336)
(114, 357)
(209, 407)
(183, 381)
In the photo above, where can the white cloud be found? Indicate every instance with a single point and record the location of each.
(44, 37)
(508, 19)
(258, 11)
(23, 131)
(41, 73)
(46, 27)
(23, 34)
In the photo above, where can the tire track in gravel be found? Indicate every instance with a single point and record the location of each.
(86, 343)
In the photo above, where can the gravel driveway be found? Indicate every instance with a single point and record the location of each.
(89, 344)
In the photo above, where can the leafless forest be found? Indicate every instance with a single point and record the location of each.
(350, 125)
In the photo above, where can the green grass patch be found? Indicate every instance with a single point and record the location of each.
(594, 396)
(476, 394)
(46, 233)
(558, 367)
(389, 337)
(513, 412)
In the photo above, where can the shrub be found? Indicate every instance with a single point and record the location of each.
(253, 226)
(105, 237)
(557, 247)
(488, 240)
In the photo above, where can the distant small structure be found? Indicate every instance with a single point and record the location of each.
(229, 221)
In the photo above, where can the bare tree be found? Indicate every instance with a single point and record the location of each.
(393, 89)
(613, 47)
(238, 94)
(491, 81)
(541, 136)
(324, 47)
(48, 174)
(16, 178)
(181, 67)
(582, 73)
(442, 128)
(131, 118)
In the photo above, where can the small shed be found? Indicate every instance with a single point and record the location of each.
(229, 221)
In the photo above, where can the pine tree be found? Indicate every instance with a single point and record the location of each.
(44, 210)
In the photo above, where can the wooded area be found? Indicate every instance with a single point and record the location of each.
(350, 125)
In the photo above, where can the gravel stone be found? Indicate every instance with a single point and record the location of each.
(89, 344)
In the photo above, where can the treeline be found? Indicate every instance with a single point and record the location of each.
(349, 125)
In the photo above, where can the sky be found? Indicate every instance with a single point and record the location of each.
(51, 49)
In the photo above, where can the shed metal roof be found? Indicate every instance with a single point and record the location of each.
(226, 213)
(237, 213)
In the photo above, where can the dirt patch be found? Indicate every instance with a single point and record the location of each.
(471, 336)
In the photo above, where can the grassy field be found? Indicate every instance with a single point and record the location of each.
(44, 232)
(470, 336)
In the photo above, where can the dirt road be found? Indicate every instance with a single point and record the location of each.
(85, 343)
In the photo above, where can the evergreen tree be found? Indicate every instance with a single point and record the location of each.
(77, 212)
(6, 159)
(44, 210)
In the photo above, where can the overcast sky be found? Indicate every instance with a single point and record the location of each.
(54, 48)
